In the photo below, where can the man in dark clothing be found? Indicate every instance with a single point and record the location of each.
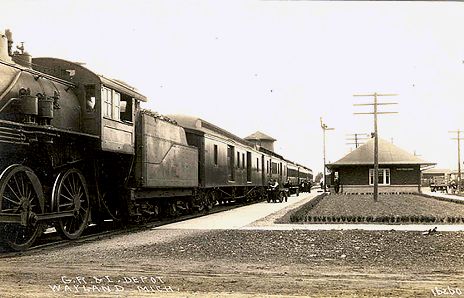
(337, 185)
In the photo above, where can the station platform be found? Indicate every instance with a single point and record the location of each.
(443, 195)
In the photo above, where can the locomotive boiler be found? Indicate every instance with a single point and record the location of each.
(76, 147)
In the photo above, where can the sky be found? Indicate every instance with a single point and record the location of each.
(272, 66)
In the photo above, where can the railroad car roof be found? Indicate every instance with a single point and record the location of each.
(269, 152)
(259, 136)
(198, 124)
(117, 84)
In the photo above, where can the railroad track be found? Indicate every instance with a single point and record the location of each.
(51, 240)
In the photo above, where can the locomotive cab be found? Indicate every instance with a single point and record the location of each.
(108, 107)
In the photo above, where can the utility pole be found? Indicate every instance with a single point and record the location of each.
(458, 138)
(357, 138)
(376, 136)
(324, 128)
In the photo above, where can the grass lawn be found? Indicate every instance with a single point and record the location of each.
(388, 209)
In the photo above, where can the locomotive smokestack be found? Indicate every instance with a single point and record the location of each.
(9, 37)
(4, 54)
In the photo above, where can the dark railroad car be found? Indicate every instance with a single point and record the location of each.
(275, 166)
(305, 176)
(230, 168)
(293, 174)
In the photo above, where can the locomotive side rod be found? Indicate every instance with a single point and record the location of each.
(18, 218)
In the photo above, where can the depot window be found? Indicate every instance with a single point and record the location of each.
(384, 177)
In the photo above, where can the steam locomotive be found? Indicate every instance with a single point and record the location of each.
(76, 147)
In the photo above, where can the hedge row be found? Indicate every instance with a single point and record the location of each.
(378, 219)
(302, 211)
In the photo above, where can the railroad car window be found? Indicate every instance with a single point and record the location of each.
(243, 160)
(90, 98)
(111, 100)
(116, 105)
(126, 108)
(106, 98)
(274, 168)
(238, 159)
(257, 164)
(215, 155)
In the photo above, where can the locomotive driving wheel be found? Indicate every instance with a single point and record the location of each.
(70, 194)
(21, 193)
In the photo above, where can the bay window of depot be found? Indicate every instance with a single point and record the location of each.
(384, 177)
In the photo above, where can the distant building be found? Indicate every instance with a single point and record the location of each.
(399, 171)
(261, 139)
(436, 176)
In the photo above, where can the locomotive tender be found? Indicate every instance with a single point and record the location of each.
(76, 147)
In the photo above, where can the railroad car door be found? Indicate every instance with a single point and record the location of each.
(248, 165)
(263, 170)
(230, 162)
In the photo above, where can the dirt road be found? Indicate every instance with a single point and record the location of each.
(241, 262)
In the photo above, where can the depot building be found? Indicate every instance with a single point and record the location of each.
(399, 170)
